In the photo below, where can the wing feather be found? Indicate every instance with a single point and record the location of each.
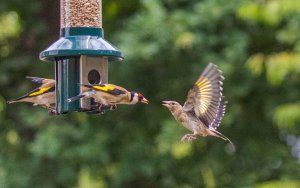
(40, 91)
(108, 88)
(34, 93)
(205, 98)
(45, 82)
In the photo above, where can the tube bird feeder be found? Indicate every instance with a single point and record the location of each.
(81, 54)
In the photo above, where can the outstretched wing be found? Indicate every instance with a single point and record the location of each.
(43, 81)
(108, 88)
(205, 98)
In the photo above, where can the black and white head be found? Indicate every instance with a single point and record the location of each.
(136, 97)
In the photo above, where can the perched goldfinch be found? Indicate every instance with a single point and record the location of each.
(43, 96)
(110, 95)
(204, 109)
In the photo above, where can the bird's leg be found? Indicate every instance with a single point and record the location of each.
(103, 107)
(52, 112)
(189, 137)
(100, 106)
(113, 107)
(51, 109)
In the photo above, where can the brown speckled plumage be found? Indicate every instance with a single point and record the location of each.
(204, 108)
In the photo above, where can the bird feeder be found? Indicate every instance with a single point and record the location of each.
(81, 54)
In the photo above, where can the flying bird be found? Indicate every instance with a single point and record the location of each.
(43, 96)
(109, 95)
(204, 107)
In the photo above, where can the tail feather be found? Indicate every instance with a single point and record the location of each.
(220, 135)
(17, 99)
(81, 95)
(12, 101)
(75, 98)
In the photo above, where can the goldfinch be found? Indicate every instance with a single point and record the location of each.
(110, 95)
(43, 96)
(204, 108)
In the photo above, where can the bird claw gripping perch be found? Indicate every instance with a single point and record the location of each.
(52, 112)
(113, 107)
(101, 109)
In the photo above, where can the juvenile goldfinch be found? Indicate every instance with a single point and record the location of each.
(110, 95)
(204, 109)
(43, 96)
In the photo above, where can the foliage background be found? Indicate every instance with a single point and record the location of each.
(166, 44)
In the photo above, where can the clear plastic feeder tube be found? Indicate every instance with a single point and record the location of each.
(80, 13)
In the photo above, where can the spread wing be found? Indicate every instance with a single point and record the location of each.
(108, 88)
(43, 81)
(205, 97)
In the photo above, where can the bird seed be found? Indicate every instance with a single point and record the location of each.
(80, 13)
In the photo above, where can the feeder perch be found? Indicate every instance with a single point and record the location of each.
(81, 54)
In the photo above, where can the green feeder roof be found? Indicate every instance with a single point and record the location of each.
(78, 41)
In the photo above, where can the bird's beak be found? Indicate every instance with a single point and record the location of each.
(165, 103)
(145, 101)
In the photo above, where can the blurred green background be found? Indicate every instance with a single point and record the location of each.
(166, 43)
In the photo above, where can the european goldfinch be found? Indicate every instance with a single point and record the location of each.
(204, 109)
(110, 95)
(43, 96)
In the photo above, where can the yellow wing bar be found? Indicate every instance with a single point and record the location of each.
(103, 87)
(39, 91)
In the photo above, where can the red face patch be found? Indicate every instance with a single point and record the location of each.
(140, 95)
